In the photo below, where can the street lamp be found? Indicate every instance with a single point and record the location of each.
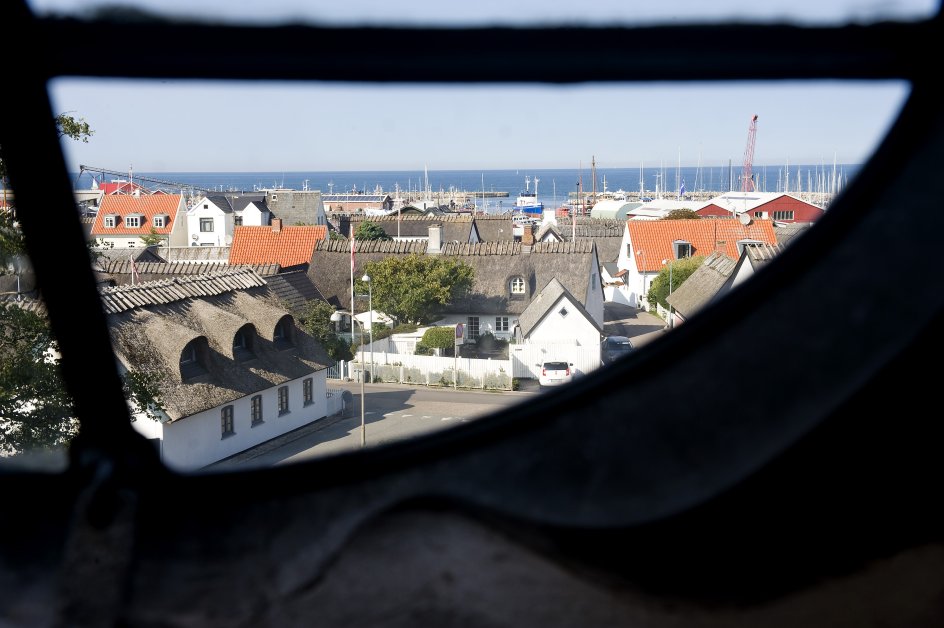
(335, 317)
(370, 308)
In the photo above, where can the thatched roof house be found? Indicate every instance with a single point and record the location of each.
(497, 266)
(214, 338)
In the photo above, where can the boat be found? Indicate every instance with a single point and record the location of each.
(527, 202)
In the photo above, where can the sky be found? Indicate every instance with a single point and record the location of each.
(177, 126)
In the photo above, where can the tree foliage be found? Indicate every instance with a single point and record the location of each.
(414, 288)
(681, 269)
(368, 230)
(35, 410)
(682, 214)
(315, 318)
(440, 337)
(67, 126)
(153, 238)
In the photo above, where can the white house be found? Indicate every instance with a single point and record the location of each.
(211, 219)
(229, 366)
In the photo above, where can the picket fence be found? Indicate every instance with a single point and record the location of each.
(524, 362)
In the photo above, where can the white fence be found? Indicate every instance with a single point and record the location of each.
(404, 368)
(427, 370)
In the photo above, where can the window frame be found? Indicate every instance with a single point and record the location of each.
(744, 319)
(206, 221)
(227, 424)
(283, 397)
(255, 410)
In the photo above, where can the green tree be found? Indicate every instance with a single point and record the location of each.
(681, 269)
(315, 318)
(67, 126)
(153, 238)
(682, 214)
(35, 410)
(368, 230)
(414, 288)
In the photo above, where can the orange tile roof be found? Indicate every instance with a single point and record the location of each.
(655, 237)
(261, 245)
(147, 205)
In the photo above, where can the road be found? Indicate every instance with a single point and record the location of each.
(392, 412)
(396, 411)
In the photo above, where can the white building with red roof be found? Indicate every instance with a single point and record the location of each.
(123, 219)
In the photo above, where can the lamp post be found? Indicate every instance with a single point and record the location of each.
(370, 316)
(335, 317)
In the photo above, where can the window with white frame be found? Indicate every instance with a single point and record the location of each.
(783, 215)
(516, 286)
(472, 327)
(283, 400)
(109, 221)
(206, 225)
(160, 221)
(132, 222)
(501, 323)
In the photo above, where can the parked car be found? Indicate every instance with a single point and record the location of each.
(614, 347)
(555, 373)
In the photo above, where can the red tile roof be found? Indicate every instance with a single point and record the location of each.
(655, 237)
(147, 205)
(261, 245)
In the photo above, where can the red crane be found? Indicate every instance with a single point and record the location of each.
(747, 178)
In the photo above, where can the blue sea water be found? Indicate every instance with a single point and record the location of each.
(553, 185)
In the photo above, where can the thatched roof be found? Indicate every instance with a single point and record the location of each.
(495, 227)
(495, 264)
(606, 233)
(702, 285)
(151, 325)
(455, 227)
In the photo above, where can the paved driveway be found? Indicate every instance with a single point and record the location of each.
(625, 320)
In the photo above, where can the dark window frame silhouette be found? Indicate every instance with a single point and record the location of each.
(619, 476)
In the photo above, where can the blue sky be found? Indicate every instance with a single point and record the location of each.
(188, 126)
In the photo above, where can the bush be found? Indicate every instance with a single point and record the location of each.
(440, 337)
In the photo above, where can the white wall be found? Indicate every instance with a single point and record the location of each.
(217, 237)
(119, 242)
(525, 358)
(196, 441)
(573, 329)
(486, 323)
(254, 217)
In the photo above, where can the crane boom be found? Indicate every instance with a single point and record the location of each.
(171, 184)
(747, 178)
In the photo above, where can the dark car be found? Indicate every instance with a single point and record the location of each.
(614, 347)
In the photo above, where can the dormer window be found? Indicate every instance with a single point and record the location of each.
(110, 221)
(243, 343)
(282, 335)
(191, 358)
(132, 222)
(160, 221)
(682, 249)
(517, 286)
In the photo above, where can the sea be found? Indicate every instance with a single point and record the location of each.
(553, 186)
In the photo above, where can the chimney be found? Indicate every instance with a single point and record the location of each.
(527, 234)
(435, 240)
(550, 216)
(276, 225)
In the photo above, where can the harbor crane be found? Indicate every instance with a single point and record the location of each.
(747, 178)
(166, 184)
